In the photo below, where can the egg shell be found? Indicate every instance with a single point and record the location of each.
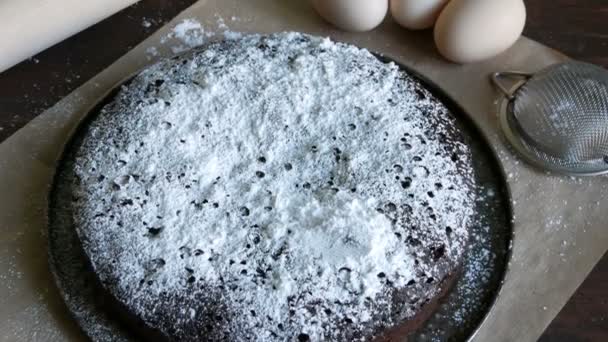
(473, 30)
(416, 14)
(352, 15)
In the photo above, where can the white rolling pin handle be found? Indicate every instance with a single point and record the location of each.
(30, 26)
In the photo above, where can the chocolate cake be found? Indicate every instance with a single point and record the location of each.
(279, 187)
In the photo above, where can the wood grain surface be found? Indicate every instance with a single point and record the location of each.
(578, 28)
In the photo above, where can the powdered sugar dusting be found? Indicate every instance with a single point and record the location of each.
(295, 172)
(190, 33)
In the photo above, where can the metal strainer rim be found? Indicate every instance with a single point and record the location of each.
(516, 139)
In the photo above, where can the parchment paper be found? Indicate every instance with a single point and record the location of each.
(559, 226)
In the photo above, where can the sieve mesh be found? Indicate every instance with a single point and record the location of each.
(559, 118)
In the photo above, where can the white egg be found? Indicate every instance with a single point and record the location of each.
(473, 30)
(352, 15)
(416, 14)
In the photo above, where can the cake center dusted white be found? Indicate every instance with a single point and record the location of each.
(306, 186)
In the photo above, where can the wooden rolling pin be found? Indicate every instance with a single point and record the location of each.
(30, 26)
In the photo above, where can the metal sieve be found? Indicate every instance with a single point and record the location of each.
(557, 119)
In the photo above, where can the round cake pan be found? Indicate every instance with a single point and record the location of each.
(458, 314)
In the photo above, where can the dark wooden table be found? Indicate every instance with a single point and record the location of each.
(578, 28)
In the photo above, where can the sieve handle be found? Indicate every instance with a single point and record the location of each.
(497, 78)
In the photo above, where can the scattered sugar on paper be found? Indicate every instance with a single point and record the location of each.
(151, 52)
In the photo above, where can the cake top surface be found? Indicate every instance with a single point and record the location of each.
(273, 186)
